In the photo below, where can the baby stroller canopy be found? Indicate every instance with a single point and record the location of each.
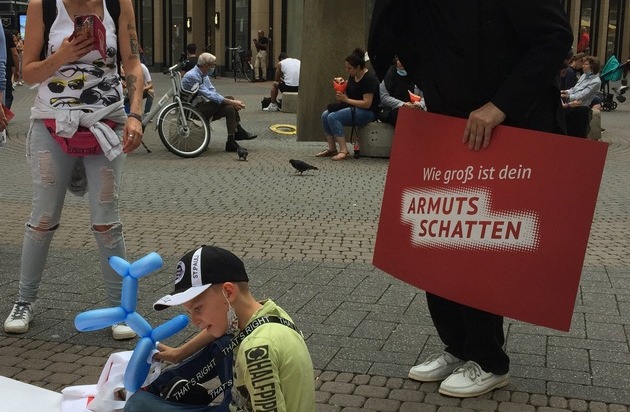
(612, 70)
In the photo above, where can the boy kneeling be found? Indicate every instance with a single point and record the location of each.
(272, 366)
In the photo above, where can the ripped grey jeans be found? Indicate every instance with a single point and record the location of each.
(51, 169)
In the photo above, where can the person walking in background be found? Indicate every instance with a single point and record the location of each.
(287, 79)
(78, 132)
(584, 41)
(517, 49)
(260, 63)
(19, 45)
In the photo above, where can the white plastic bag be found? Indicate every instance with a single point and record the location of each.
(105, 396)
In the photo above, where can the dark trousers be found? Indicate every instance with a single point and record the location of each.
(214, 111)
(470, 334)
(8, 93)
(389, 116)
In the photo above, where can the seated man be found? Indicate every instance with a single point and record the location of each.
(214, 106)
(287, 79)
(254, 346)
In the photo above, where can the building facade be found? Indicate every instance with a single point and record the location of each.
(166, 26)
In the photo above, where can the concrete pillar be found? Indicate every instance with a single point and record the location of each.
(331, 30)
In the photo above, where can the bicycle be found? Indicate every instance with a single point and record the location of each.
(241, 63)
(182, 127)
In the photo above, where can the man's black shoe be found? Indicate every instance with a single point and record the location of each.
(231, 146)
(242, 134)
(245, 136)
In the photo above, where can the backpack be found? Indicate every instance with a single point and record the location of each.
(49, 11)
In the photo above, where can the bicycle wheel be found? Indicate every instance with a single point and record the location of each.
(248, 71)
(185, 136)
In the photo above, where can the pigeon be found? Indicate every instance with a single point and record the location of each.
(242, 153)
(301, 166)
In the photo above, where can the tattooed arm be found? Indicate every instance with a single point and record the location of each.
(130, 55)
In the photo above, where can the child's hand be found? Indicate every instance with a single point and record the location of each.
(166, 353)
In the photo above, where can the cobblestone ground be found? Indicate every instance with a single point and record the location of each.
(308, 242)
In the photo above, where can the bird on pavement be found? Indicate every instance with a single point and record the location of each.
(242, 153)
(301, 166)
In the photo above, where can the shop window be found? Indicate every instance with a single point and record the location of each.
(615, 28)
(586, 36)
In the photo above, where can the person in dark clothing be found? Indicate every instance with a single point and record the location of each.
(11, 67)
(356, 106)
(395, 91)
(260, 62)
(191, 58)
(513, 51)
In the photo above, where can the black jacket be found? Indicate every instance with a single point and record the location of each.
(465, 53)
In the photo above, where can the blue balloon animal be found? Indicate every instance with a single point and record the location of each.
(140, 363)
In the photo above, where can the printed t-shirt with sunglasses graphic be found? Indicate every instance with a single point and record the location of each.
(89, 83)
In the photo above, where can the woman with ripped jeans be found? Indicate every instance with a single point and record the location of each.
(79, 135)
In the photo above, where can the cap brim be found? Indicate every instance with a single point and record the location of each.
(180, 298)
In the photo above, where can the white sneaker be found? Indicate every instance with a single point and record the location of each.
(437, 367)
(19, 318)
(271, 108)
(120, 331)
(470, 380)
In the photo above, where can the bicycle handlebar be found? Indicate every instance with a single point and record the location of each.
(177, 67)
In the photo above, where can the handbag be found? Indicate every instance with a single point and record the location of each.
(82, 143)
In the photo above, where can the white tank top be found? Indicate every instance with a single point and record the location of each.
(89, 83)
(291, 71)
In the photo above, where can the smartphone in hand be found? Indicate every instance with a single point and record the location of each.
(92, 25)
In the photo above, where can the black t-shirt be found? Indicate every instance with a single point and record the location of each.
(10, 45)
(190, 64)
(368, 84)
(263, 41)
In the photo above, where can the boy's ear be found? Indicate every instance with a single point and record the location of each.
(230, 290)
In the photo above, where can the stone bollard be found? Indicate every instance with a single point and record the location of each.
(376, 139)
(290, 102)
(595, 126)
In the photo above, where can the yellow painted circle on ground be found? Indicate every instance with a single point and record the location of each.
(283, 128)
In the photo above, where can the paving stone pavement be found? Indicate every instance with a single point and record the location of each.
(307, 243)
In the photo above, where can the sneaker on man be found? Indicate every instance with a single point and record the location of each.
(120, 331)
(19, 318)
(271, 108)
(437, 367)
(470, 381)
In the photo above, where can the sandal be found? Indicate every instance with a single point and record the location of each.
(340, 156)
(326, 153)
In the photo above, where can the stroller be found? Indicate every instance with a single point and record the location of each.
(612, 72)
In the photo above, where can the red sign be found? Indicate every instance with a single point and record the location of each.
(503, 229)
